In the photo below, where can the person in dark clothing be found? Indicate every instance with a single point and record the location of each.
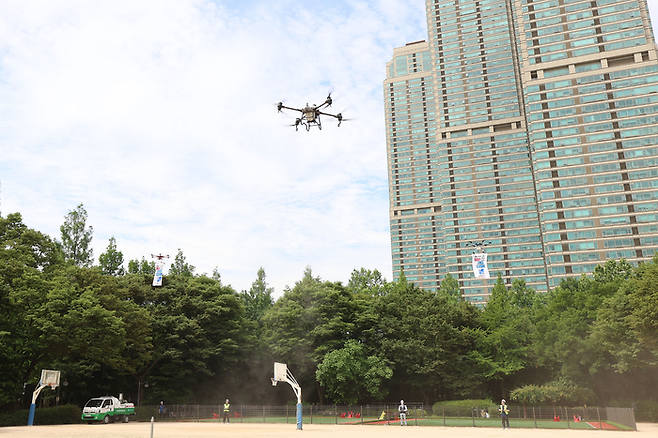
(504, 413)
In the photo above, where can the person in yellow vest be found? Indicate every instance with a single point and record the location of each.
(227, 409)
(504, 413)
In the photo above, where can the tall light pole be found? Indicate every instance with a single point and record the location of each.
(64, 383)
(140, 392)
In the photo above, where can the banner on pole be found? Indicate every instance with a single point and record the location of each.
(159, 265)
(157, 278)
(480, 268)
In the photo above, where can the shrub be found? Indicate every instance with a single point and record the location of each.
(65, 414)
(647, 411)
(417, 413)
(464, 406)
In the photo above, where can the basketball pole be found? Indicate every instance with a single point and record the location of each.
(33, 406)
(286, 376)
(298, 392)
(48, 378)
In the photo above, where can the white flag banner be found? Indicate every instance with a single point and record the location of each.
(157, 278)
(480, 268)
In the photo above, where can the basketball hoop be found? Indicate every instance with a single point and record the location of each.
(282, 374)
(49, 378)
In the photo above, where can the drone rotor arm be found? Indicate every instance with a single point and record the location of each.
(338, 117)
(327, 114)
(280, 107)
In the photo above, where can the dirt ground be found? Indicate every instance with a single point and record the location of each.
(234, 430)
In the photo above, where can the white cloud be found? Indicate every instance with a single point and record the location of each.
(159, 117)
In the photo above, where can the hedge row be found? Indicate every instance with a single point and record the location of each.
(645, 411)
(65, 414)
(465, 406)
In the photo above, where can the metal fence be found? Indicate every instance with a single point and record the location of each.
(557, 417)
(625, 416)
(312, 414)
(580, 417)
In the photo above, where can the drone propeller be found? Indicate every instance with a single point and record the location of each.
(329, 101)
(341, 119)
(296, 124)
(280, 107)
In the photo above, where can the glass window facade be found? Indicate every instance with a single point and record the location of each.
(528, 125)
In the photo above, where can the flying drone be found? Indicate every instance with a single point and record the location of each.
(311, 114)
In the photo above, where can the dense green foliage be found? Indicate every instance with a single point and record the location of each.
(67, 414)
(76, 237)
(196, 340)
(348, 374)
(465, 406)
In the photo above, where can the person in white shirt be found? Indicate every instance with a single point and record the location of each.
(403, 413)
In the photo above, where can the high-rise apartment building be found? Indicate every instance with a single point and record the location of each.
(530, 126)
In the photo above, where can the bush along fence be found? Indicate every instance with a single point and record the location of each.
(543, 417)
(66, 414)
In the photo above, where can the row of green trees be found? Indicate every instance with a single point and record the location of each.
(196, 340)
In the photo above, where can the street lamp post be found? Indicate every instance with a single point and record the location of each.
(140, 392)
(64, 383)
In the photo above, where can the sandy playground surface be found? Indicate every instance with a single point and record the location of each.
(236, 430)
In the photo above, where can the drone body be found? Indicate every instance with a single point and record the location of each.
(310, 114)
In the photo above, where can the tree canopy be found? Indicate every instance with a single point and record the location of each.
(76, 238)
(197, 340)
(111, 261)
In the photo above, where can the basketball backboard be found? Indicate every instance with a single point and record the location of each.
(280, 372)
(50, 378)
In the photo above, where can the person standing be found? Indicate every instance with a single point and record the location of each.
(504, 413)
(161, 409)
(227, 409)
(402, 409)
